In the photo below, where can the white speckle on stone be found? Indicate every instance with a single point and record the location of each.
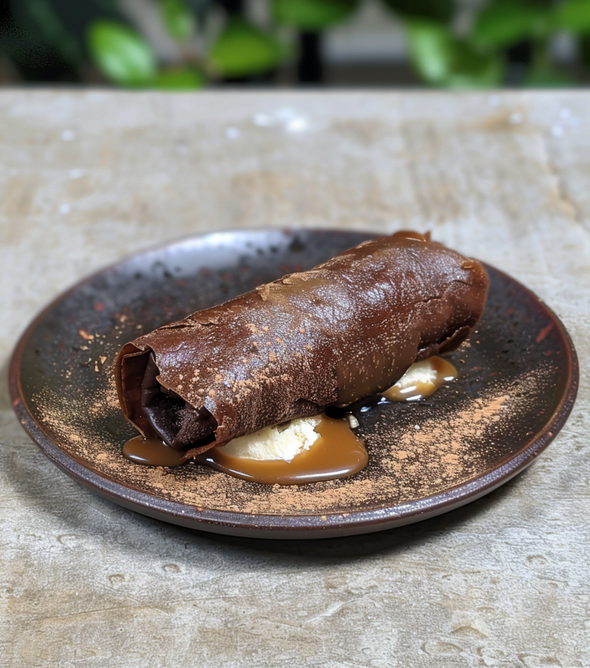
(68, 135)
(297, 125)
(262, 120)
(289, 119)
(65, 208)
(557, 131)
(232, 133)
(76, 173)
(516, 118)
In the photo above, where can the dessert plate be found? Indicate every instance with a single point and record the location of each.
(518, 377)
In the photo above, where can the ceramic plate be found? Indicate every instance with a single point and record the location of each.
(517, 384)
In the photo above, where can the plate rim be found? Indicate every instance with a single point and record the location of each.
(274, 526)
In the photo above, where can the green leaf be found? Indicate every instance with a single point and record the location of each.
(430, 50)
(443, 60)
(472, 70)
(437, 10)
(181, 78)
(243, 50)
(121, 54)
(574, 15)
(505, 22)
(312, 15)
(178, 19)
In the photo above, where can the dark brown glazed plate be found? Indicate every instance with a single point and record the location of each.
(517, 385)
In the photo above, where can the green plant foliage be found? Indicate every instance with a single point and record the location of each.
(430, 47)
(505, 22)
(584, 50)
(312, 15)
(200, 9)
(45, 40)
(121, 54)
(547, 78)
(179, 78)
(443, 60)
(243, 50)
(472, 70)
(50, 25)
(178, 19)
(437, 10)
(574, 15)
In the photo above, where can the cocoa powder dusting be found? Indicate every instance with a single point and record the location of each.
(410, 457)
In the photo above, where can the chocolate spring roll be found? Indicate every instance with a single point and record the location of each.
(345, 330)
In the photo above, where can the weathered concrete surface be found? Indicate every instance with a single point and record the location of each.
(502, 582)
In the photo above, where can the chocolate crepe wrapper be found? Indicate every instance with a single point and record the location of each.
(345, 330)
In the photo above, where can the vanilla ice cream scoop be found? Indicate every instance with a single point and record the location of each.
(272, 443)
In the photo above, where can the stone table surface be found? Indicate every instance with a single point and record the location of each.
(86, 177)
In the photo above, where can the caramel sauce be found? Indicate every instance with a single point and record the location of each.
(337, 453)
(152, 452)
(413, 387)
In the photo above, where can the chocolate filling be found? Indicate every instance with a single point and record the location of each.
(171, 418)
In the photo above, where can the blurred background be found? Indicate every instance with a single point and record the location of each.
(193, 44)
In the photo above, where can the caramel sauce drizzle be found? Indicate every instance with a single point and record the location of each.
(441, 372)
(337, 453)
(152, 452)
